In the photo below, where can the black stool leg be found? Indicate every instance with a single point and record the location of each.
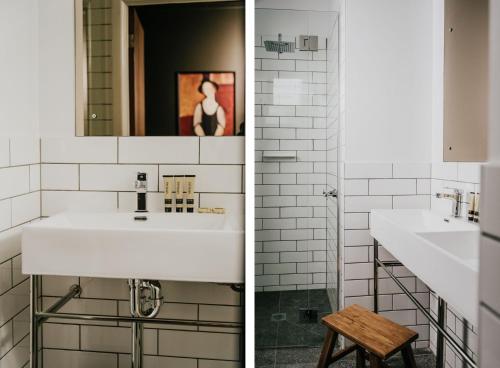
(408, 357)
(325, 358)
(375, 362)
(360, 357)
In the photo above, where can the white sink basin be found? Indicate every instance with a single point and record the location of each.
(443, 253)
(182, 247)
(461, 245)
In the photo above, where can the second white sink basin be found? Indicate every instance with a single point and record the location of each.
(160, 246)
(461, 245)
(442, 252)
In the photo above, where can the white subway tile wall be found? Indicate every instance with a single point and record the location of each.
(98, 174)
(465, 176)
(19, 204)
(292, 102)
(367, 186)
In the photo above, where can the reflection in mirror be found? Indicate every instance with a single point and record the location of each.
(159, 68)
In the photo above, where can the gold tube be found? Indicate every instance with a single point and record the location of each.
(169, 190)
(179, 193)
(471, 204)
(476, 208)
(189, 186)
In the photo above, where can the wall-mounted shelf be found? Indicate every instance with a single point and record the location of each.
(279, 155)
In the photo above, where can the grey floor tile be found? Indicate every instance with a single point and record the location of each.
(298, 344)
(291, 331)
(265, 358)
(266, 303)
(308, 357)
(266, 333)
(299, 355)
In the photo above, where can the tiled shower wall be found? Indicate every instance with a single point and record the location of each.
(290, 209)
(19, 204)
(465, 176)
(98, 173)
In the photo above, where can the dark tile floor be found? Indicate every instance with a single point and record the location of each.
(290, 343)
(277, 321)
(308, 358)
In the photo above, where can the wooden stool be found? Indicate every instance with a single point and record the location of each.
(374, 336)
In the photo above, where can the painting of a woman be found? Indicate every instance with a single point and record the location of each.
(209, 117)
(206, 103)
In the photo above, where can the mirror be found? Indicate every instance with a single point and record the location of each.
(159, 67)
(465, 80)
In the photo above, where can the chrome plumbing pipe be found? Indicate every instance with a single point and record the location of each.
(138, 301)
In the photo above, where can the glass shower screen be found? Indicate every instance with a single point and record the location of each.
(296, 176)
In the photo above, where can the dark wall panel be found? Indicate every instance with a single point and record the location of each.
(204, 37)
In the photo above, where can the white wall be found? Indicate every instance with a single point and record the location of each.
(438, 80)
(19, 170)
(388, 80)
(292, 22)
(494, 133)
(57, 68)
(489, 295)
(18, 68)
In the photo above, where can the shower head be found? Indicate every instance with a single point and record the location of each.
(279, 46)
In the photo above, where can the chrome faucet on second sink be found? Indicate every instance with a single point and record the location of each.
(457, 199)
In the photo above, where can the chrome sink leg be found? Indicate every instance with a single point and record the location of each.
(440, 344)
(34, 322)
(375, 276)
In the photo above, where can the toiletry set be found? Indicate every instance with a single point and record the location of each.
(184, 193)
(178, 195)
(473, 206)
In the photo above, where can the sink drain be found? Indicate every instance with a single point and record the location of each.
(278, 317)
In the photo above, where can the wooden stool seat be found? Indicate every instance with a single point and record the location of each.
(379, 337)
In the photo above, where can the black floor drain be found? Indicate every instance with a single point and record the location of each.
(308, 315)
(278, 317)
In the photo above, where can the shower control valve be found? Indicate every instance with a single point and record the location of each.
(330, 193)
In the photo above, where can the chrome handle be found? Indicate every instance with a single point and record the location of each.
(455, 190)
(141, 182)
(331, 193)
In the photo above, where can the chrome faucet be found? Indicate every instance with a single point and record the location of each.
(141, 188)
(457, 199)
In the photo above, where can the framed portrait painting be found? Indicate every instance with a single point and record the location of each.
(206, 103)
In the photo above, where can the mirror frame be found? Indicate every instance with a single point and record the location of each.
(120, 62)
